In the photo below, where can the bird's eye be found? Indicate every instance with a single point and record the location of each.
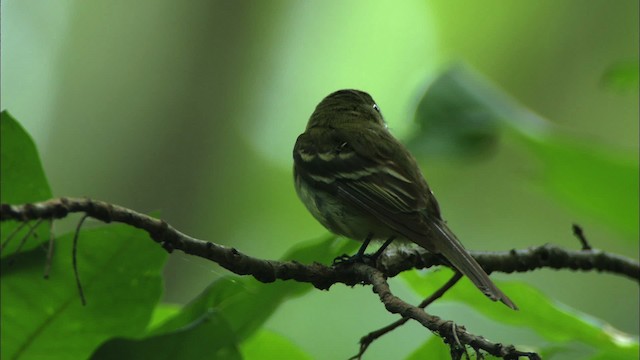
(376, 108)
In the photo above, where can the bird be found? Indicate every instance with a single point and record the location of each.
(360, 182)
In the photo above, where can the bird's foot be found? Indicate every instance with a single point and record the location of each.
(345, 259)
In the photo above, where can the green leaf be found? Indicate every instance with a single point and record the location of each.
(210, 337)
(573, 350)
(553, 321)
(453, 120)
(162, 313)
(590, 178)
(246, 303)
(23, 180)
(463, 113)
(433, 348)
(235, 297)
(120, 269)
(622, 76)
(267, 344)
(566, 350)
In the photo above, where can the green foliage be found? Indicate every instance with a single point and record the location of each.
(230, 301)
(235, 296)
(433, 348)
(267, 344)
(554, 322)
(162, 313)
(622, 76)
(120, 272)
(453, 118)
(23, 178)
(463, 114)
(120, 269)
(209, 337)
(590, 179)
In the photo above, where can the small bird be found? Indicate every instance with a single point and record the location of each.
(359, 181)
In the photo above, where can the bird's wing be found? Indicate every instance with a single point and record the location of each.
(376, 182)
(389, 187)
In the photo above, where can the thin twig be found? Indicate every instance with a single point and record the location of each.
(368, 339)
(458, 344)
(74, 259)
(47, 264)
(395, 305)
(13, 233)
(441, 291)
(24, 241)
(577, 231)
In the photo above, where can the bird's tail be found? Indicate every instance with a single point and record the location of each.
(446, 243)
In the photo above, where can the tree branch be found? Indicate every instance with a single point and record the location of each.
(322, 277)
(537, 257)
(452, 334)
(366, 340)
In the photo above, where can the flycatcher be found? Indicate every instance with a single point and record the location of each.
(360, 182)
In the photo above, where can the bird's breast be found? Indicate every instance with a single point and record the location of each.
(338, 217)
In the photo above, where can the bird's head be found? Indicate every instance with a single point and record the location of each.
(347, 108)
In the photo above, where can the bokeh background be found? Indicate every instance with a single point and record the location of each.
(192, 108)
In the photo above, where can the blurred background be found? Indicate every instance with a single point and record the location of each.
(192, 108)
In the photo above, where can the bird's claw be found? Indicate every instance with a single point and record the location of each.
(345, 259)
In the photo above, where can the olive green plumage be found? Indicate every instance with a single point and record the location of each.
(359, 181)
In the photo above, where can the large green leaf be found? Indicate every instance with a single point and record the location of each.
(237, 298)
(162, 313)
(453, 119)
(210, 337)
(553, 321)
(22, 180)
(120, 270)
(433, 348)
(590, 178)
(267, 344)
(463, 113)
(241, 302)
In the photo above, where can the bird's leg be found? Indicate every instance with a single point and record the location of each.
(382, 248)
(358, 257)
(364, 246)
